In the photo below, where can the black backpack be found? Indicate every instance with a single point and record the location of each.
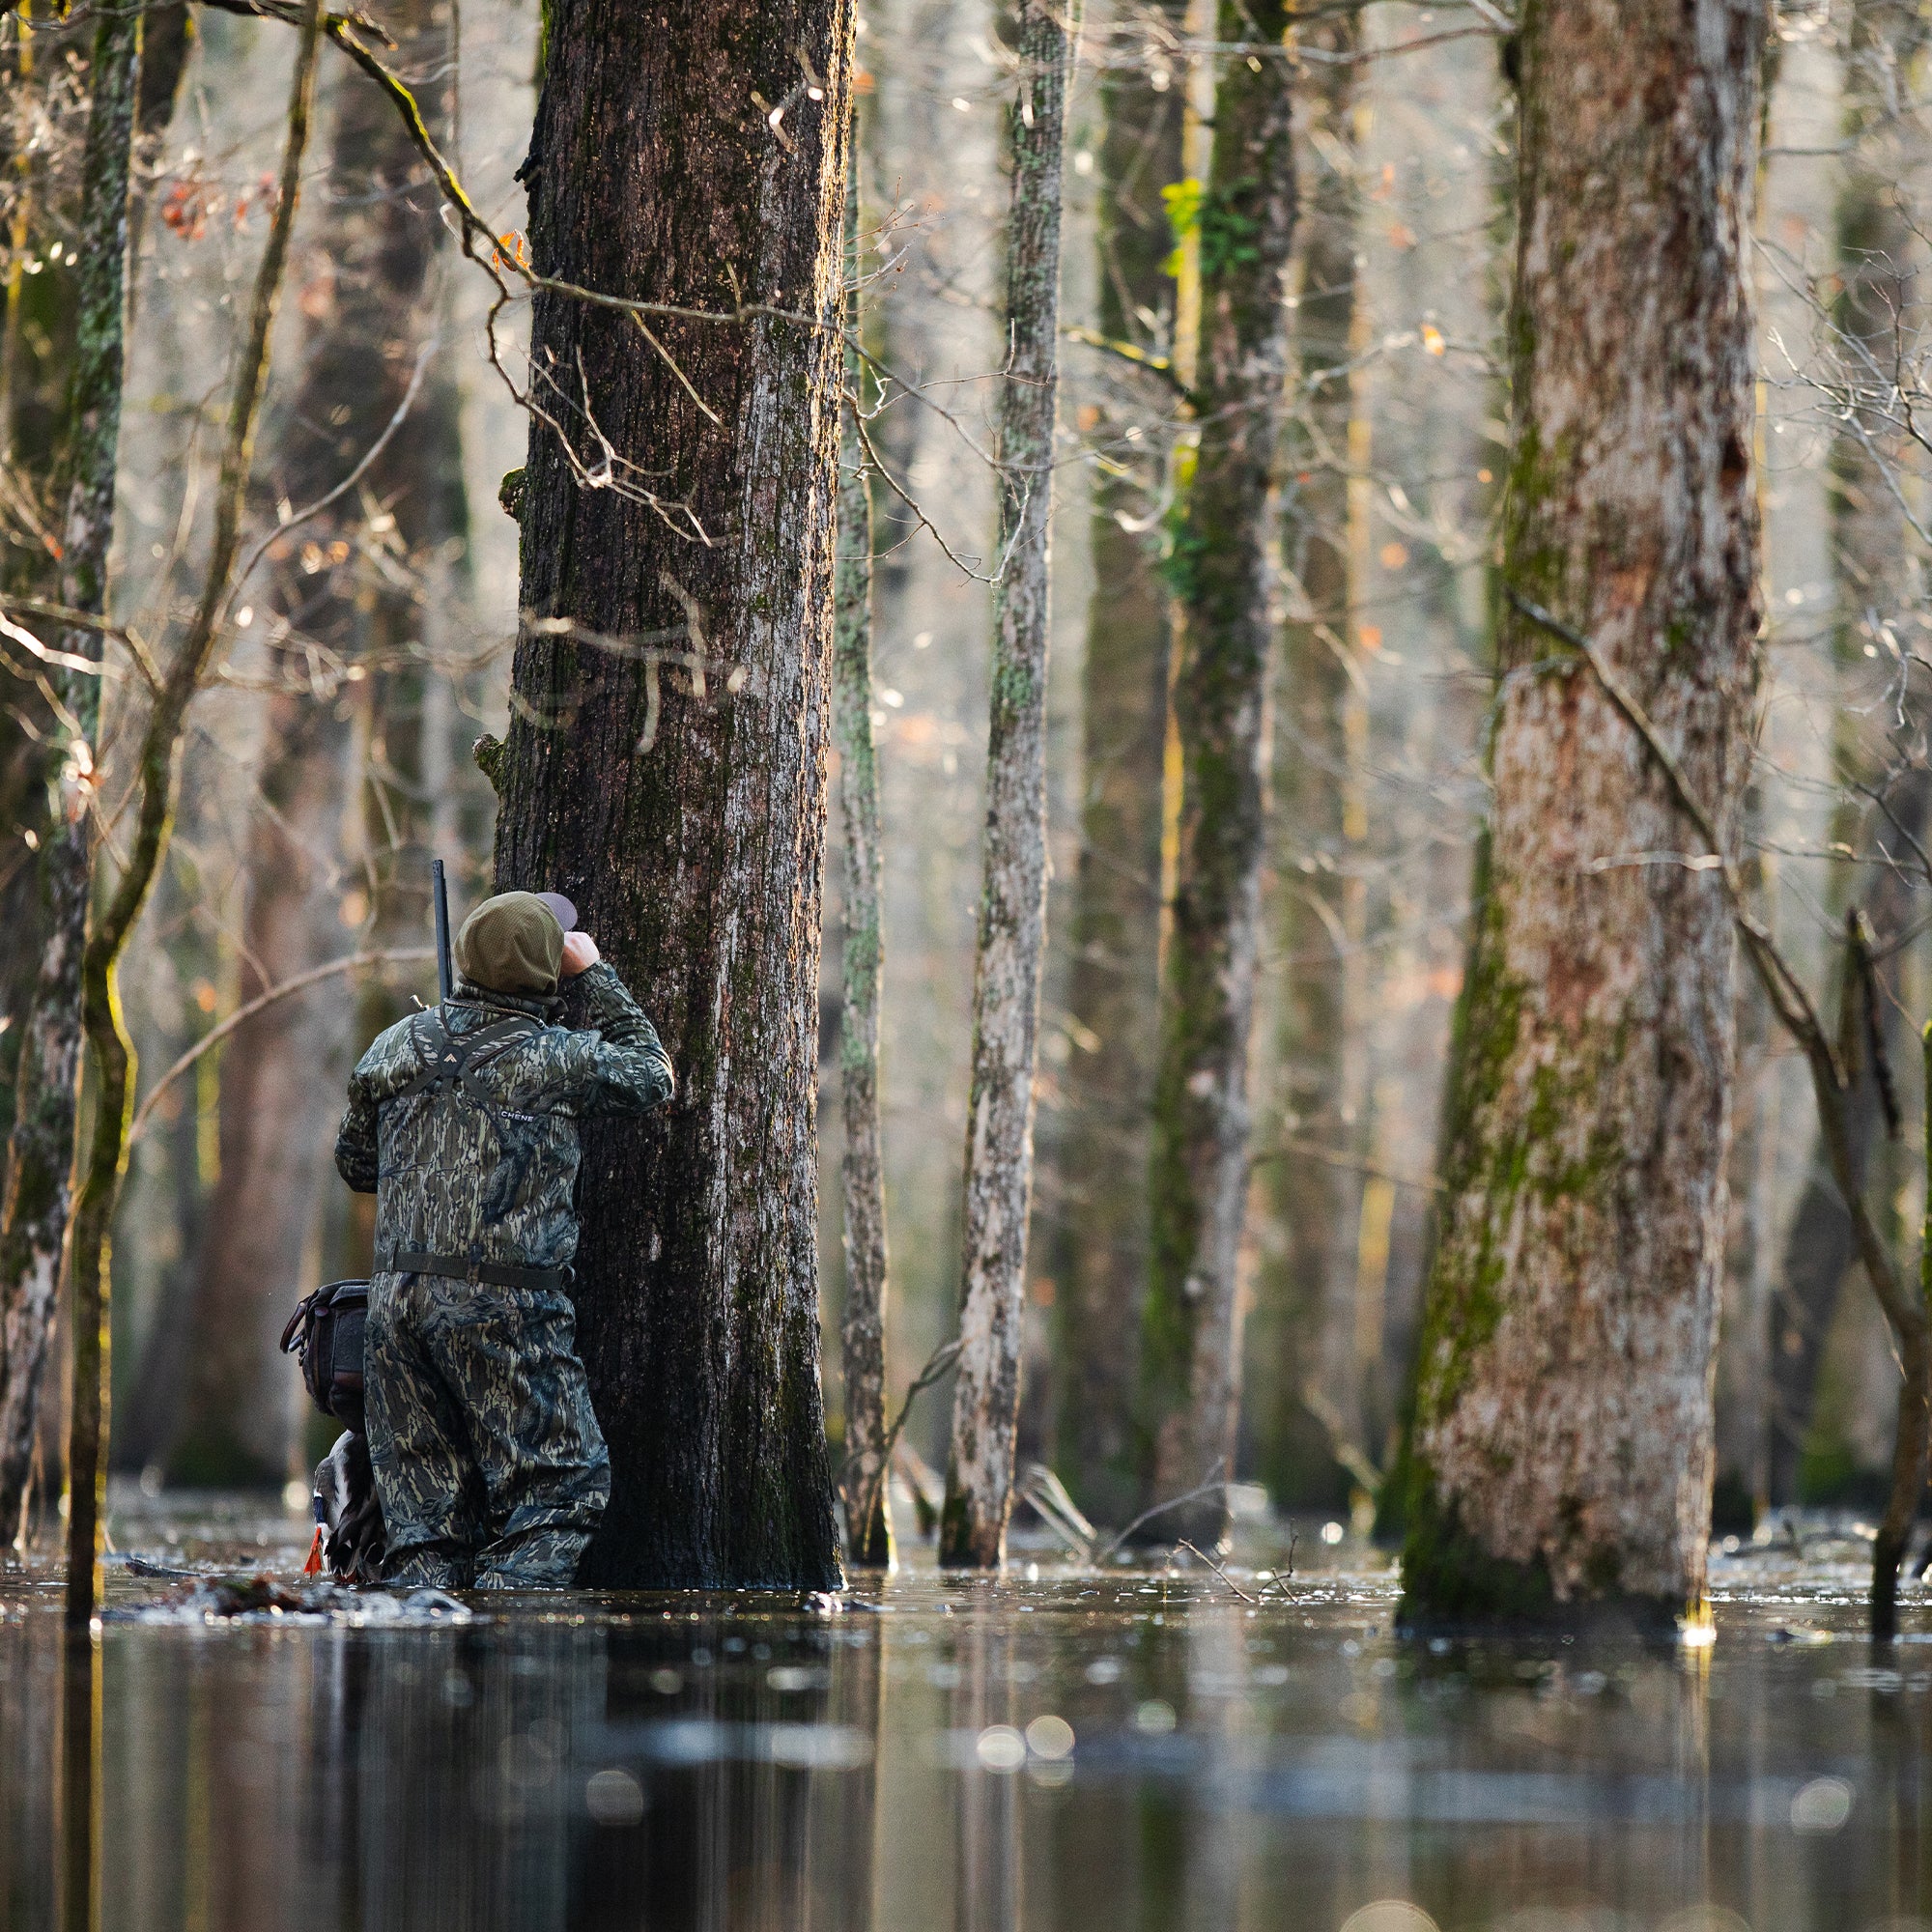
(326, 1331)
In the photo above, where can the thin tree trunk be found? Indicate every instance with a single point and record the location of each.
(868, 1527)
(34, 1211)
(1223, 564)
(684, 812)
(1563, 1434)
(35, 385)
(1293, 1287)
(1823, 1245)
(1012, 894)
(1743, 1384)
(157, 774)
(1113, 992)
(1873, 565)
(282, 1075)
(26, 564)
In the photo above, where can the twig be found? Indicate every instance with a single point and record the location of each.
(937, 1363)
(300, 982)
(349, 482)
(1218, 1481)
(1345, 1163)
(1183, 1544)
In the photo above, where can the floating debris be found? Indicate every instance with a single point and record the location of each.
(261, 1597)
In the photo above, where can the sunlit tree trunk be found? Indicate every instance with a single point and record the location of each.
(34, 1210)
(1876, 581)
(1223, 564)
(1295, 1279)
(1100, 1267)
(1012, 894)
(369, 308)
(1563, 1447)
(868, 1530)
(685, 816)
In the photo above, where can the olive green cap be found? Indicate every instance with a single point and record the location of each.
(511, 944)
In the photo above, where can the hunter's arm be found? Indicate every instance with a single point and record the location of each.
(355, 1144)
(628, 1072)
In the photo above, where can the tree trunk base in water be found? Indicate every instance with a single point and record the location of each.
(1451, 1583)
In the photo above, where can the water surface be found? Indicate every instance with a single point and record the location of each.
(1065, 1749)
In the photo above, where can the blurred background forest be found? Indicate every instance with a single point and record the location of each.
(331, 755)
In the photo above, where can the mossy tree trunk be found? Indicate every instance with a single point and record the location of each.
(1101, 1265)
(39, 1186)
(868, 1527)
(337, 583)
(1223, 564)
(156, 767)
(1562, 1445)
(1309, 1268)
(685, 814)
(1012, 891)
(1877, 581)
(39, 341)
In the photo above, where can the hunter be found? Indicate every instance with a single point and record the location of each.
(463, 1121)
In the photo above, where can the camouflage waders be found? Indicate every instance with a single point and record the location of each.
(489, 1463)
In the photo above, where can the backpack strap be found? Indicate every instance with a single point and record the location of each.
(450, 1059)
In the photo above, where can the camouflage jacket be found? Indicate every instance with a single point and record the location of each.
(490, 1173)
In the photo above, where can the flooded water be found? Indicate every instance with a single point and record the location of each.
(1125, 1751)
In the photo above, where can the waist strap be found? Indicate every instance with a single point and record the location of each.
(456, 1267)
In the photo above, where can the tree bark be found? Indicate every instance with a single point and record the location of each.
(370, 307)
(869, 1526)
(1563, 1430)
(1113, 993)
(1222, 562)
(1300, 1282)
(1012, 894)
(684, 811)
(39, 1186)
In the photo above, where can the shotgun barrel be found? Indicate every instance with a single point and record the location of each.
(444, 980)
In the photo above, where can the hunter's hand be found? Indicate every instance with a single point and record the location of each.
(580, 954)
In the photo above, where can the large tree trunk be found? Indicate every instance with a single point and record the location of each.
(1307, 1278)
(1563, 1413)
(1873, 563)
(1013, 894)
(684, 813)
(869, 1526)
(1223, 566)
(370, 306)
(1113, 994)
(34, 1210)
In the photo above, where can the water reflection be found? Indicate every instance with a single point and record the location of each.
(1127, 1752)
